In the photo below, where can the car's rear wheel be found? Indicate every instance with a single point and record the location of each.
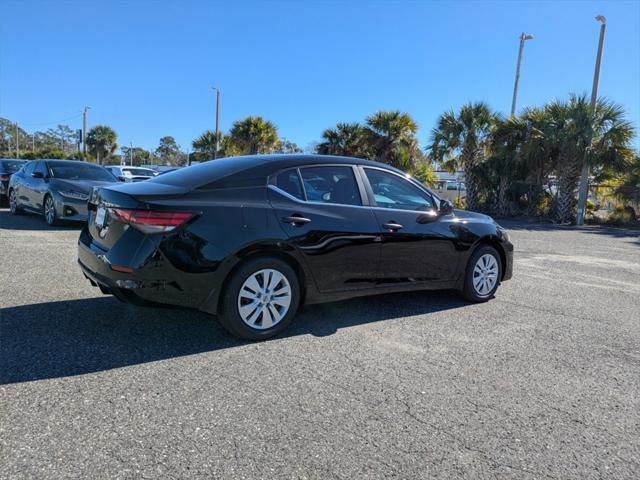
(49, 210)
(482, 275)
(13, 203)
(260, 299)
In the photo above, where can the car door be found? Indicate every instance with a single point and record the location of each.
(417, 243)
(25, 183)
(323, 211)
(39, 185)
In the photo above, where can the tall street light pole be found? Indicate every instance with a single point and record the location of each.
(215, 153)
(583, 189)
(523, 37)
(84, 132)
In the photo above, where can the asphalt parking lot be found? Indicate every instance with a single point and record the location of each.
(541, 382)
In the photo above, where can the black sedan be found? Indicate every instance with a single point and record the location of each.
(57, 189)
(8, 167)
(253, 238)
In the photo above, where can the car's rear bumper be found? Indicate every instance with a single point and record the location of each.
(153, 279)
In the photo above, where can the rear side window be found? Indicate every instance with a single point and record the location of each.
(289, 181)
(331, 184)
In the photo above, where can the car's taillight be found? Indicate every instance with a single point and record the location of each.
(149, 221)
(4, 178)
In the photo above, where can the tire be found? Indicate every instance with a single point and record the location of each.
(482, 275)
(262, 316)
(14, 207)
(49, 211)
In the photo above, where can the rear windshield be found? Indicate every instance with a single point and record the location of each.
(10, 166)
(213, 171)
(80, 171)
(144, 172)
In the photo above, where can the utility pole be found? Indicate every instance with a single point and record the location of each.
(131, 153)
(33, 143)
(17, 141)
(84, 132)
(523, 38)
(583, 189)
(215, 153)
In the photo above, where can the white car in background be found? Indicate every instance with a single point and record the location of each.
(131, 174)
(450, 189)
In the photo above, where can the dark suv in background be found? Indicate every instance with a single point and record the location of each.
(8, 167)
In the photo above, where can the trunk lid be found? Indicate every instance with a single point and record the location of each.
(102, 223)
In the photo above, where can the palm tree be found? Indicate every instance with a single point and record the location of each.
(537, 160)
(393, 138)
(603, 139)
(254, 135)
(501, 168)
(205, 146)
(101, 141)
(462, 141)
(346, 139)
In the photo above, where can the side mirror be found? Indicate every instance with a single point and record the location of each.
(37, 175)
(121, 178)
(446, 207)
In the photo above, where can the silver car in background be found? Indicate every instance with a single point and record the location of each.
(57, 189)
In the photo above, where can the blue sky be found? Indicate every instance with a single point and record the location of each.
(146, 68)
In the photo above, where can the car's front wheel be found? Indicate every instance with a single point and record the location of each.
(482, 275)
(50, 214)
(13, 203)
(260, 299)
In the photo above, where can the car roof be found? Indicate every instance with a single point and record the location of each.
(282, 161)
(240, 169)
(56, 161)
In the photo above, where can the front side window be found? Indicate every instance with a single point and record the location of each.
(289, 181)
(393, 191)
(41, 167)
(331, 184)
(28, 169)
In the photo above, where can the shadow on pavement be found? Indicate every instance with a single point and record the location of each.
(58, 339)
(31, 221)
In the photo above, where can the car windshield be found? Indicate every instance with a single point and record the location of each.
(10, 166)
(144, 172)
(80, 171)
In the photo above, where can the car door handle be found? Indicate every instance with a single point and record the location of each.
(393, 226)
(296, 220)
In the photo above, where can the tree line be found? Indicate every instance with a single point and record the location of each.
(527, 164)
(531, 163)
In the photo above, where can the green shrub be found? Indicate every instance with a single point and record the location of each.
(460, 203)
(623, 215)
